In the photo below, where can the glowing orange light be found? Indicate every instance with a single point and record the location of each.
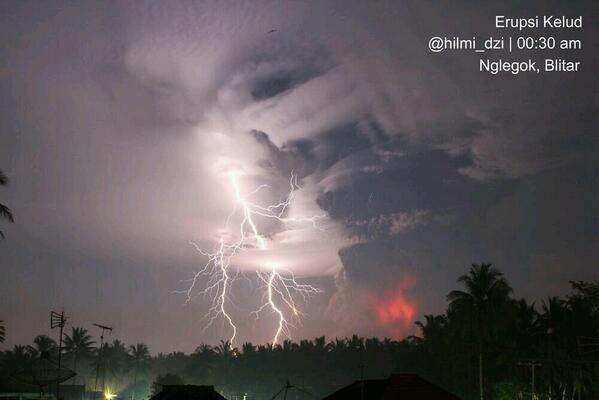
(395, 310)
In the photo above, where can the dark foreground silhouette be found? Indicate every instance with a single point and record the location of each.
(483, 346)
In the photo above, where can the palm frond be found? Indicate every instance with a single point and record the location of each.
(6, 213)
(458, 295)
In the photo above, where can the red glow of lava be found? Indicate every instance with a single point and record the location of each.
(395, 310)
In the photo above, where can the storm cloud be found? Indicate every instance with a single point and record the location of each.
(120, 122)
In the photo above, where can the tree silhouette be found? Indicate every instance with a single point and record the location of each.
(2, 331)
(18, 358)
(111, 359)
(166, 379)
(225, 356)
(433, 326)
(202, 363)
(78, 345)
(5, 212)
(487, 293)
(587, 291)
(140, 361)
(561, 334)
(225, 350)
(42, 344)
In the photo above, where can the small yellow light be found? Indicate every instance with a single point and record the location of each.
(108, 395)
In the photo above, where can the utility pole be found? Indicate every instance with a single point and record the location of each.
(532, 364)
(361, 349)
(104, 328)
(58, 321)
(362, 378)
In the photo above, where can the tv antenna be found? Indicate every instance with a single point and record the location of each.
(288, 386)
(58, 321)
(104, 328)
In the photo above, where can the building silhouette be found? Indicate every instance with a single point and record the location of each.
(187, 392)
(396, 387)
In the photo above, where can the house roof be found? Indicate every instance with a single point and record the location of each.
(187, 392)
(396, 387)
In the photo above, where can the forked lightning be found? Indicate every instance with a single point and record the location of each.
(282, 290)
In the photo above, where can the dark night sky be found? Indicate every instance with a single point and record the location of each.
(118, 118)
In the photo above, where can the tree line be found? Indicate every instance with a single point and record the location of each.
(482, 347)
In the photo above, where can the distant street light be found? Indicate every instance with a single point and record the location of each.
(109, 395)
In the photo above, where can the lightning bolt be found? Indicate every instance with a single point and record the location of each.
(280, 287)
(286, 288)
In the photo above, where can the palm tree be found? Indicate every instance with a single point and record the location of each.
(248, 348)
(356, 342)
(338, 346)
(432, 328)
(320, 345)
(5, 212)
(42, 344)
(110, 359)
(18, 357)
(225, 350)
(116, 359)
(2, 331)
(522, 336)
(225, 357)
(555, 321)
(203, 349)
(140, 361)
(201, 363)
(78, 345)
(477, 308)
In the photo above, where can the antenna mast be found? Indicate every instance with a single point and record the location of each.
(104, 328)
